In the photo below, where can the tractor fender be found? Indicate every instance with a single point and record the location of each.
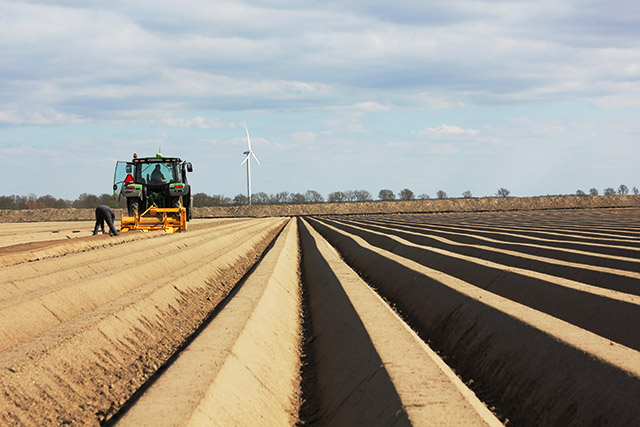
(178, 189)
(132, 190)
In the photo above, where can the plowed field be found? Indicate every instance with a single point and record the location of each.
(518, 318)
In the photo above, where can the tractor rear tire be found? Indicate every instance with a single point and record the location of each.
(133, 206)
(187, 204)
(177, 202)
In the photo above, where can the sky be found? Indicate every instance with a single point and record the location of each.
(539, 97)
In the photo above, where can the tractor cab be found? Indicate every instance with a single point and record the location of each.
(153, 184)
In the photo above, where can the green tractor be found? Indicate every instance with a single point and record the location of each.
(158, 194)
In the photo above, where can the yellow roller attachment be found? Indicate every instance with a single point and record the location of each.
(168, 219)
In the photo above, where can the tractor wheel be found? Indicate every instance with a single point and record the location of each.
(187, 204)
(133, 206)
(177, 202)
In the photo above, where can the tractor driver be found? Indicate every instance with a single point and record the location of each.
(105, 213)
(157, 176)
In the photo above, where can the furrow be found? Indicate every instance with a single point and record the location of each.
(134, 248)
(577, 303)
(247, 358)
(502, 234)
(22, 279)
(582, 223)
(121, 343)
(371, 368)
(65, 300)
(61, 248)
(545, 370)
(590, 248)
(600, 275)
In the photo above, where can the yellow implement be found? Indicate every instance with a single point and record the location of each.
(168, 219)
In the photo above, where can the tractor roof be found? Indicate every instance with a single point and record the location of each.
(159, 158)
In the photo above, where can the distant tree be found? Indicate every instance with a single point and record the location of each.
(312, 196)
(240, 199)
(593, 192)
(337, 197)
(6, 202)
(386, 195)
(351, 195)
(297, 198)
(635, 190)
(281, 197)
(220, 200)
(204, 200)
(423, 196)
(362, 196)
(201, 200)
(48, 201)
(85, 200)
(580, 193)
(108, 199)
(623, 189)
(467, 194)
(406, 194)
(609, 191)
(260, 198)
(19, 202)
(441, 194)
(502, 192)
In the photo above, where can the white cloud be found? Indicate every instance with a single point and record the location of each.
(446, 149)
(304, 137)
(371, 107)
(43, 116)
(445, 130)
(199, 122)
(96, 58)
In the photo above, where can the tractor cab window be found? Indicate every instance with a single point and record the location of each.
(158, 173)
(124, 174)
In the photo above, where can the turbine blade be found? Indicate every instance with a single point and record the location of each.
(245, 159)
(248, 139)
(254, 156)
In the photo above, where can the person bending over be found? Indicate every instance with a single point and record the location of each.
(105, 214)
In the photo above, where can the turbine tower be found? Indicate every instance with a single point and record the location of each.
(248, 160)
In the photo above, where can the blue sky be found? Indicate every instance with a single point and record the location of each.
(540, 97)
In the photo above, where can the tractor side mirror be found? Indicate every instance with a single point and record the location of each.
(115, 187)
(189, 167)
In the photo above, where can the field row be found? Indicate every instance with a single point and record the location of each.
(487, 318)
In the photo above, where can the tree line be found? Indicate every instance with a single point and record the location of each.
(89, 201)
(610, 191)
(85, 200)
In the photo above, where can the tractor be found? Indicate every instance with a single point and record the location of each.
(157, 192)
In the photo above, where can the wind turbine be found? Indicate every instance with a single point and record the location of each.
(248, 160)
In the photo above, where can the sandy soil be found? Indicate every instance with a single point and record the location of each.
(116, 315)
(536, 311)
(260, 327)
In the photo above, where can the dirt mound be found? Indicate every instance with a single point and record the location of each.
(431, 205)
(443, 205)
